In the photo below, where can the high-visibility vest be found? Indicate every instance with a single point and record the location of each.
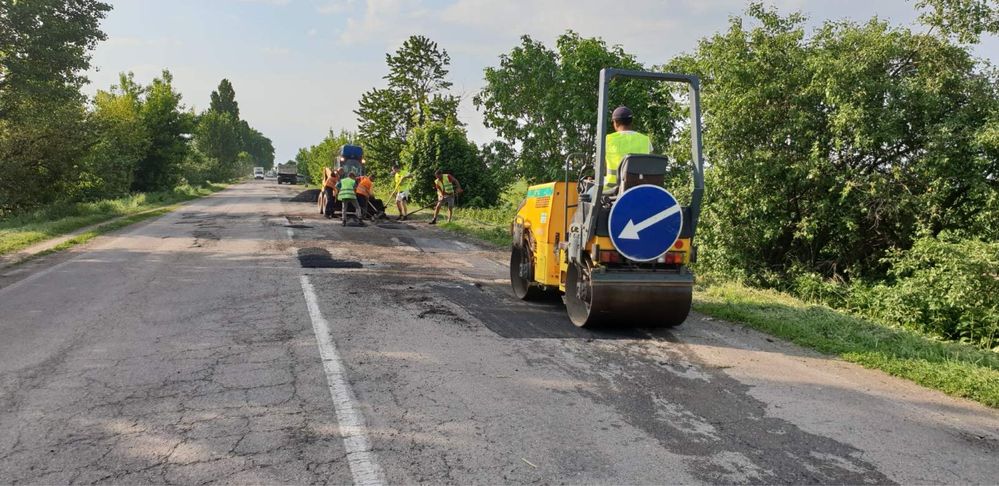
(347, 189)
(445, 184)
(620, 144)
(364, 187)
(399, 178)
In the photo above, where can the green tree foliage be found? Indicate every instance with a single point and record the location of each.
(44, 49)
(167, 125)
(122, 141)
(416, 94)
(946, 286)
(501, 161)
(826, 152)
(218, 136)
(312, 160)
(221, 138)
(223, 100)
(444, 146)
(965, 19)
(545, 101)
(260, 148)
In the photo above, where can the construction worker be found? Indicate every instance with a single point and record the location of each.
(347, 195)
(330, 179)
(365, 190)
(401, 190)
(447, 188)
(622, 142)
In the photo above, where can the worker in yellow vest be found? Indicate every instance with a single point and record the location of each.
(447, 188)
(403, 181)
(622, 142)
(347, 196)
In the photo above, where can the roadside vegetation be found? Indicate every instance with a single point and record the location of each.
(28, 228)
(69, 161)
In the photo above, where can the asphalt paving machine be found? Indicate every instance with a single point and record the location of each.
(619, 256)
(350, 158)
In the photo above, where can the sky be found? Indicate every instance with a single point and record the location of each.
(300, 66)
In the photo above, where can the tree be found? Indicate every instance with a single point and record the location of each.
(313, 160)
(964, 19)
(438, 145)
(260, 148)
(223, 100)
(122, 141)
(826, 152)
(545, 101)
(416, 95)
(44, 49)
(217, 136)
(167, 125)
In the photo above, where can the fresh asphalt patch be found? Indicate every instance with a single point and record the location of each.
(308, 195)
(320, 258)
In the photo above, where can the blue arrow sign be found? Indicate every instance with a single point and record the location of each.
(645, 222)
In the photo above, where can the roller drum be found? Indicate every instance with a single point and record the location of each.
(628, 299)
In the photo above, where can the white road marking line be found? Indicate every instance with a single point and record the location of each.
(363, 465)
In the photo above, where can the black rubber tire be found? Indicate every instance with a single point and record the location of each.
(524, 289)
(578, 309)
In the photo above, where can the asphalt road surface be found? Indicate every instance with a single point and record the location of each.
(243, 339)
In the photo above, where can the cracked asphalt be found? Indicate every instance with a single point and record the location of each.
(181, 351)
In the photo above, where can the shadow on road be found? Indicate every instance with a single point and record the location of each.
(509, 317)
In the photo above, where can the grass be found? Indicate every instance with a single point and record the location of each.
(22, 230)
(101, 229)
(957, 369)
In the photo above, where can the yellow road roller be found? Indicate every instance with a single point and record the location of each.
(619, 254)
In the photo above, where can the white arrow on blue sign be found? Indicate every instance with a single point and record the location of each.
(645, 222)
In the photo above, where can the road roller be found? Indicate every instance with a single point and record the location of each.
(619, 254)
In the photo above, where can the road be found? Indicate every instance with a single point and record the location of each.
(243, 339)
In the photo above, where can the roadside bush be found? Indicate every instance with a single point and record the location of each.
(442, 146)
(944, 286)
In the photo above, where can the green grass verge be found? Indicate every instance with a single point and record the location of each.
(99, 230)
(954, 368)
(491, 225)
(23, 230)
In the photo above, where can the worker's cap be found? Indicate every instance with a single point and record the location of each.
(622, 113)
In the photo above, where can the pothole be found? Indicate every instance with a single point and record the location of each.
(320, 258)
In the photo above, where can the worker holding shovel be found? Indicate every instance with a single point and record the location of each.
(447, 189)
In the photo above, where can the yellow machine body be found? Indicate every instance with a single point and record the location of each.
(543, 216)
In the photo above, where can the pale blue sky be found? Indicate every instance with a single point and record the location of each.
(299, 66)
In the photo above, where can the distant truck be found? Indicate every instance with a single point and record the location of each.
(258, 173)
(287, 172)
